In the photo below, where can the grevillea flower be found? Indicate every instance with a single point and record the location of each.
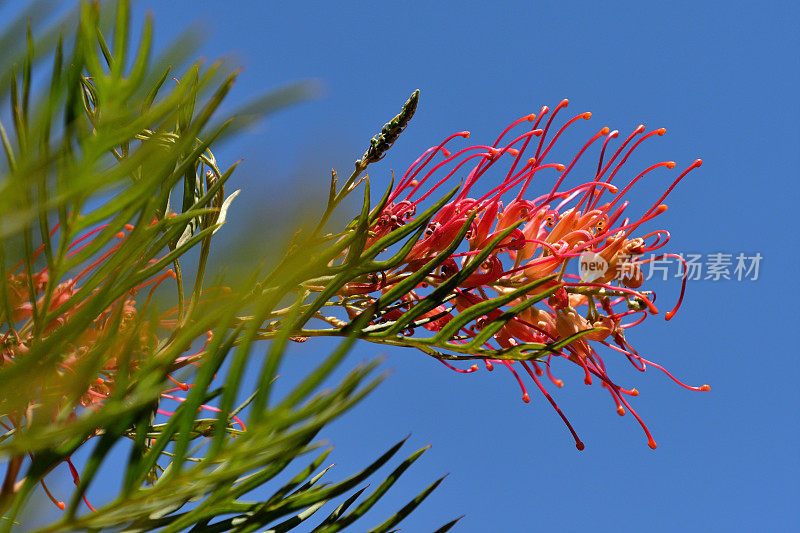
(553, 224)
(117, 332)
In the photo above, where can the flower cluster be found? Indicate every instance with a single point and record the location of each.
(116, 333)
(543, 233)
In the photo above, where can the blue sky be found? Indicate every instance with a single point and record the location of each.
(722, 77)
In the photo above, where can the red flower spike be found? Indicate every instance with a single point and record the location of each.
(560, 225)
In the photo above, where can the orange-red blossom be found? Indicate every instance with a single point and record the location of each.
(554, 227)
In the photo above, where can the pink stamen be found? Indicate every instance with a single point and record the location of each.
(637, 322)
(169, 274)
(587, 378)
(631, 355)
(703, 387)
(447, 177)
(58, 503)
(209, 338)
(612, 135)
(659, 132)
(668, 164)
(76, 479)
(491, 159)
(585, 116)
(599, 134)
(656, 245)
(406, 179)
(620, 409)
(522, 174)
(650, 441)
(639, 129)
(525, 397)
(479, 170)
(694, 165)
(100, 259)
(542, 113)
(557, 382)
(78, 241)
(592, 184)
(205, 407)
(625, 227)
(578, 443)
(469, 370)
(561, 105)
(670, 314)
(526, 118)
(36, 252)
(183, 386)
(612, 218)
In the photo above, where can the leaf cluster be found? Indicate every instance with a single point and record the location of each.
(89, 224)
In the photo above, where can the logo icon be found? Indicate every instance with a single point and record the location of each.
(591, 266)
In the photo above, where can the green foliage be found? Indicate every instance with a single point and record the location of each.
(88, 214)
